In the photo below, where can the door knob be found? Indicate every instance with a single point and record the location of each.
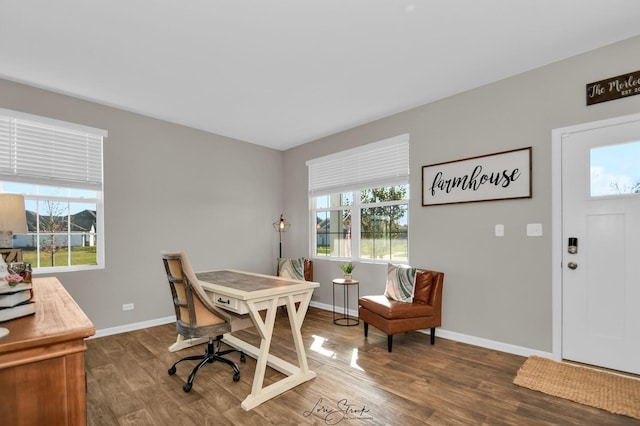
(572, 265)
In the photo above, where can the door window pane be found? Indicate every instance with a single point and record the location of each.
(615, 169)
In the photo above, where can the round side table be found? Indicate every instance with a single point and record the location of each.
(346, 319)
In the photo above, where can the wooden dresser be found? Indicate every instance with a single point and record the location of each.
(42, 375)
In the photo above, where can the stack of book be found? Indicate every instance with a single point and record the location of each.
(15, 300)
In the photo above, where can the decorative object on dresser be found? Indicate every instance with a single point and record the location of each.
(15, 302)
(13, 219)
(15, 292)
(21, 272)
(10, 255)
(421, 308)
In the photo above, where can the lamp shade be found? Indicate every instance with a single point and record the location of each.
(281, 225)
(12, 215)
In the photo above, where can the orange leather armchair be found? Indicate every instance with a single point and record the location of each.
(394, 317)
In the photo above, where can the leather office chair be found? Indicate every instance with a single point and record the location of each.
(393, 317)
(196, 316)
(296, 268)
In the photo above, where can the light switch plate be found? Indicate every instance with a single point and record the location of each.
(534, 229)
(499, 230)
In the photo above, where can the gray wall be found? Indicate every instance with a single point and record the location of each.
(166, 187)
(495, 288)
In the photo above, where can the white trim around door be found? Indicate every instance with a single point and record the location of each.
(556, 219)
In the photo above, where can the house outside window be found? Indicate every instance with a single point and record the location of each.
(359, 202)
(57, 167)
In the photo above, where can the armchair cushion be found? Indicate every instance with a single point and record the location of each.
(401, 281)
(392, 309)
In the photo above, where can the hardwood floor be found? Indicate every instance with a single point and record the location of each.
(358, 383)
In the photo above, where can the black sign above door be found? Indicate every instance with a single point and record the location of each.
(613, 88)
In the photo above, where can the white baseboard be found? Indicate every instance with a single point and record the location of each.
(134, 326)
(450, 335)
(329, 308)
(490, 344)
(464, 338)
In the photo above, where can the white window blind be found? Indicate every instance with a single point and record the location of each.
(383, 163)
(49, 152)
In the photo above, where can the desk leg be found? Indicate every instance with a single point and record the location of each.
(296, 375)
(182, 343)
(296, 318)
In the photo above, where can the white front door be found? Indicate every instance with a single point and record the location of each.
(601, 279)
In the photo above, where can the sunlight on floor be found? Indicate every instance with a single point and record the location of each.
(354, 360)
(316, 346)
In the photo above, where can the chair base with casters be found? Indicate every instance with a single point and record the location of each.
(211, 355)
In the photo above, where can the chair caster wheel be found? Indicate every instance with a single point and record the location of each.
(187, 387)
(236, 377)
(172, 371)
(243, 358)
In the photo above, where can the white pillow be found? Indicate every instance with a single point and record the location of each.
(401, 283)
(292, 269)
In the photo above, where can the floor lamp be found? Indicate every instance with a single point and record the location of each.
(281, 226)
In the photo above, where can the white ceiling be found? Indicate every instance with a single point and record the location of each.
(281, 73)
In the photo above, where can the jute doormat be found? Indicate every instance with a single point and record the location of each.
(610, 392)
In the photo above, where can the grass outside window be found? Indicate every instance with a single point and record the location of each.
(79, 256)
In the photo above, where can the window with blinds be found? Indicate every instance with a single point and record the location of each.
(377, 164)
(360, 202)
(58, 167)
(38, 150)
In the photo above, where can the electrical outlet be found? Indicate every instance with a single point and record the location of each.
(128, 307)
(534, 229)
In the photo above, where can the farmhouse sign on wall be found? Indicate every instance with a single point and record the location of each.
(499, 176)
(613, 88)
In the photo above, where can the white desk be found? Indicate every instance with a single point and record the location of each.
(246, 292)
